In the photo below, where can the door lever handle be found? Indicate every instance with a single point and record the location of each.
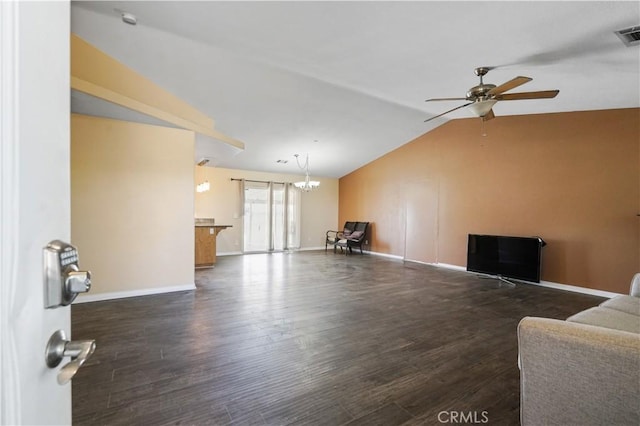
(59, 347)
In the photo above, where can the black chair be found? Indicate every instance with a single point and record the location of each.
(355, 239)
(332, 237)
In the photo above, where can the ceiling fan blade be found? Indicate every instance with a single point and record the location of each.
(511, 84)
(447, 112)
(446, 99)
(488, 116)
(542, 94)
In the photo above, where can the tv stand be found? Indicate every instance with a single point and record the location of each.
(500, 278)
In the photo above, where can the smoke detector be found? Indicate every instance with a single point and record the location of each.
(629, 36)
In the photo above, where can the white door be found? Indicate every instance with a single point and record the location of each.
(35, 204)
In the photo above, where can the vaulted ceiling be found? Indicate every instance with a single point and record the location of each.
(346, 82)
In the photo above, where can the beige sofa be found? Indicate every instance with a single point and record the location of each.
(585, 370)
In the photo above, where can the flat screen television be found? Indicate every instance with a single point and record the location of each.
(512, 257)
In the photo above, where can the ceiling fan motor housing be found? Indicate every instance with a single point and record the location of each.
(479, 92)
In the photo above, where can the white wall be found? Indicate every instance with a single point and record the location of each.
(132, 205)
(222, 202)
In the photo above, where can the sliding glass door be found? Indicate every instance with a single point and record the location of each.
(271, 217)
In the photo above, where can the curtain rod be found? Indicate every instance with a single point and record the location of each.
(259, 181)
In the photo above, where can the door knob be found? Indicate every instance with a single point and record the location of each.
(59, 347)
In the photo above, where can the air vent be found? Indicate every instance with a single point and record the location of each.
(629, 36)
(282, 161)
(203, 161)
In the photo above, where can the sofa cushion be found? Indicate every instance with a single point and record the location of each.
(608, 318)
(628, 304)
(357, 234)
(577, 374)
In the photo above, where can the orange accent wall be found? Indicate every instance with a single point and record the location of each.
(571, 178)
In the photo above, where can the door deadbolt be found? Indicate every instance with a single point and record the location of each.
(63, 279)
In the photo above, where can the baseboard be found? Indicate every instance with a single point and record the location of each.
(310, 248)
(229, 253)
(450, 266)
(576, 289)
(131, 293)
(390, 256)
(238, 253)
(549, 284)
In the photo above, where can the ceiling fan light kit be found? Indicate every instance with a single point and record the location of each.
(482, 108)
(484, 96)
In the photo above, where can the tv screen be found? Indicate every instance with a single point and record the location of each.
(512, 257)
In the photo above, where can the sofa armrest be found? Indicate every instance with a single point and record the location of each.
(573, 373)
(635, 286)
(333, 234)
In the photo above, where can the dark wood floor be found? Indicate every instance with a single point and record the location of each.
(310, 338)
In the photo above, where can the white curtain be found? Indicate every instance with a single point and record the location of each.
(256, 221)
(293, 216)
(271, 216)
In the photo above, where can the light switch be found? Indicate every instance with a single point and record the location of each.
(210, 231)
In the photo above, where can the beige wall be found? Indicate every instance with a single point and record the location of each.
(571, 178)
(132, 204)
(222, 202)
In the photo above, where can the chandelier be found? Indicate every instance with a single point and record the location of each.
(307, 184)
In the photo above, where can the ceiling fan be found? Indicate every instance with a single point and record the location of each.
(483, 96)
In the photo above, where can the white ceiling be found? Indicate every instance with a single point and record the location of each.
(353, 76)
